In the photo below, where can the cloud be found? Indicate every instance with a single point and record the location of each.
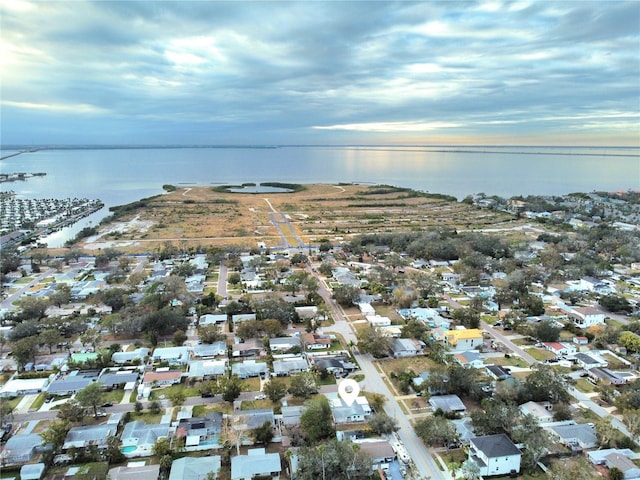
(296, 72)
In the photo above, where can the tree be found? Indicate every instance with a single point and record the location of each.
(616, 303)
(316, 422)
(495, 417)
(113, 453)
(294, 282)
(382, 424)
(177, 398)
(55, 434)
(616, 474)
(546, 384)
(468, 317)
(470, 470)
(179, 337)
(275, 390)
(333, 460)
(535, 439)
(630, 340)
(162, 447)
(263, 434)
(155, 407)
(71, 411)
(91, 396)
(436, 430)
(374, 341)
(24, 351)
(62, 295)
(346, 295)
(631, 419)
(547, 331)
(34, 307)
(210, 334)
(230, 388)
(50, 337)
(303, 385)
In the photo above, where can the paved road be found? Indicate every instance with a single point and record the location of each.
(7, 303)
(422, 458)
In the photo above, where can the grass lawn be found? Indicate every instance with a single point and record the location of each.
(614, 363)
(540, 354)
(202, 410)
(114, 396)
(512, 361)
(585, 385)
(147, 417)
(39, 401)
(251, 384)
(256, 404)
(168, 391)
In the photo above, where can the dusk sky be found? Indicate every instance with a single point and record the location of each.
(153, 73)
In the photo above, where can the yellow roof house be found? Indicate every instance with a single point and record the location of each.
(464, 339)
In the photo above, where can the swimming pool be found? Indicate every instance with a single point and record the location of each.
(129, 449)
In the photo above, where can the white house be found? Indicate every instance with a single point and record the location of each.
(495, 455)
(585, 317)
(172, 355)
(406, 347)
(255, 463)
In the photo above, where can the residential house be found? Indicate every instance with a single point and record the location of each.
(629, 469)
(207, 368)
(495, 455)
(358, 411)
(585, 317)
(380, 450)
(250, 348)
(89, 436)
(606, 376)
(136, 356)
(560, 349)
(336, 365)
(196, 468)
(315, 341)
(406, 347)
(210, 350)
(581, 340)
(211, 319)
(171, 355)
(378, 320)
(162, 377)
(447, 404)
(20, 449)
(249, 368)
(283, 344)
(32, 471)
(576, 436)
(72, 383)
(463, 340)
(256, 463)
(589, 360)
(138, 438)
(498, 372)
(470, 359)
(118, 378)
(135, 472)
(291, 414)
(23, 386)
(542, 413)
(619, 458)
(287, 366)
(200, 431)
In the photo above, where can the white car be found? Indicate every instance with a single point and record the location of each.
(260, 396)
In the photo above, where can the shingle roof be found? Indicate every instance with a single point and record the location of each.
(494, 446)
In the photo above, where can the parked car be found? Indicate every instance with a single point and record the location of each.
(260, 396)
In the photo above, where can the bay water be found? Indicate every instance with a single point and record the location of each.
(122, 175)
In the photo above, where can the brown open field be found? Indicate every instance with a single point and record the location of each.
(201, 216)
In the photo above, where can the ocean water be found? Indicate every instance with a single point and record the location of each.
(118, 176)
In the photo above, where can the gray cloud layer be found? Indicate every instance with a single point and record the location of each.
(320, 72)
